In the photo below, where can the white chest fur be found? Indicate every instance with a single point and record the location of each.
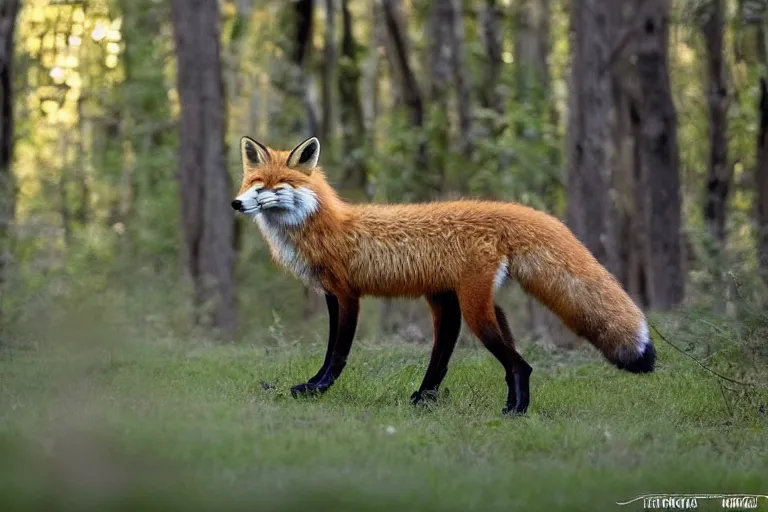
(285, 251)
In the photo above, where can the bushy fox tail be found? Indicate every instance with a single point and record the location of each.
(588, 299)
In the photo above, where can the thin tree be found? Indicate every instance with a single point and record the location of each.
(354, 162)
(204, 184)
(406, 85)
(490, 17)
(330, 65)
(761, 184)
(660, 173)
(589, 211)
(447, 72)
(719, 174)
(532, 47)
(9, 10)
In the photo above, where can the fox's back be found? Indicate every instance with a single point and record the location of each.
(411, 249)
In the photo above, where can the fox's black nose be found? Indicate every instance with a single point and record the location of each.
(237, 205)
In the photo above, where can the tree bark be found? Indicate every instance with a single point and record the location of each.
(532, 49)
(9, 10)
(761, 184)
(406, 83)
(719, 175)
(204, 182)
(660, 160)
(637, 264)
(446, 65)
(491, 35)
(460, 74)
(354, 164)
(439, 49)
(371, 75)
(590, 211)
(408, 90)
(330, 64)
(626, 155)
(291, 76)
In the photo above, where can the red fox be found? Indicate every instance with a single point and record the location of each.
(455, 254)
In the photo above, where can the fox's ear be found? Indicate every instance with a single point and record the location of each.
(304, 157)
(253, 152)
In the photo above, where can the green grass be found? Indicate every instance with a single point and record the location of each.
(168, 427)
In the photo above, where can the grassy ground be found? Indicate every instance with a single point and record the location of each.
(170, 427)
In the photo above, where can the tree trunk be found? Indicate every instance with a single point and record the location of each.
(590, 210)
(719, 175)
(371, 76)
(354, 164)
(446, 66)
(291, 76)
(491, 35)
(204, 182)
(660, 160)
(460, 74)
(407, 85)
(625, 153)
(8, 12)
(330, 63)
(761, 184)
(532, 49)
(718, 172)
(637, 264)
(439, 49)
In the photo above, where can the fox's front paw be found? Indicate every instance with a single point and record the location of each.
(308, 389)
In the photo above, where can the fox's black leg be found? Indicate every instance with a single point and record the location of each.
(488, 323)
(446, 320)
(519, 389)
(333, 328)
(348, 308)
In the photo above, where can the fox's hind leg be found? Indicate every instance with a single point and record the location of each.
(521, 390)
(488, 323)
(446, 321)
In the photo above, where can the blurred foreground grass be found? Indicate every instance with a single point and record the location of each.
(171, 426)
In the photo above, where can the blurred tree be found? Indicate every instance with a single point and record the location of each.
(761, 183)
(624, 152)
(659, 159)
(407, 90)
(204, 184)
(447, 71)
(490, 20)
(330, 66)
(291, 76)
(532, 48)
(354, 156)
(590, 211)
(719, 170)
(9, 10)
(439, 34)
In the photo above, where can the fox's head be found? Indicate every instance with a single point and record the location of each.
(279, 184)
